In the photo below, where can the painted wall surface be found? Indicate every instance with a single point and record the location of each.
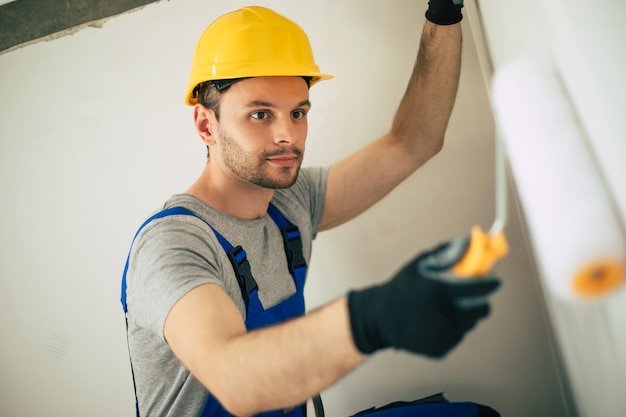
(94, 136)
(582, 43)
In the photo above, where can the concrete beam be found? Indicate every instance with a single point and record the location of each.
(23, 22)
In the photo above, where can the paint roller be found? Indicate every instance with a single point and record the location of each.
(578, 241)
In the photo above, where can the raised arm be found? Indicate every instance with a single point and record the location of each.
(362, 179)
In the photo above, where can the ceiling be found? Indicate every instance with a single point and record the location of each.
(23, 22)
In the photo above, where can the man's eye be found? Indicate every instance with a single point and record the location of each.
(259, 115)
(298, 114)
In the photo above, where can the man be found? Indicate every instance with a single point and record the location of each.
(214, 293)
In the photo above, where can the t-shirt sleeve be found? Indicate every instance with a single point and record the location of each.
(170, 257)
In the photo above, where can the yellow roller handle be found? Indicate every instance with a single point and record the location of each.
(483, 251)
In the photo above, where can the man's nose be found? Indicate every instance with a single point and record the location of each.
(284, 131)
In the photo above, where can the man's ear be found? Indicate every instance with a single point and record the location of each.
(206, 123)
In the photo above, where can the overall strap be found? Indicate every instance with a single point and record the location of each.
(239, 261)
(292, 239)
(236, 255)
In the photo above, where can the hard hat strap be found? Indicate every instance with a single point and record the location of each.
(221, 85)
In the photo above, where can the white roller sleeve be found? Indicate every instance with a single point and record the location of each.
(569, 213)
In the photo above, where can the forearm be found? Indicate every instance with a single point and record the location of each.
(424, 111)
(416, 134)
(284, 365)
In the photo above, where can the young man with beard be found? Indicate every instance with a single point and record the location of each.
(213, 287)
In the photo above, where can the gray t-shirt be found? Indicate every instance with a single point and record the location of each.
(175, 254)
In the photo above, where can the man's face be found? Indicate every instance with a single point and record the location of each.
(261, 134)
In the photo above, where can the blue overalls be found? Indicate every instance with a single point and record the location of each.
(256, 315)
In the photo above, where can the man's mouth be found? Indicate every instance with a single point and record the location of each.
(284, 160)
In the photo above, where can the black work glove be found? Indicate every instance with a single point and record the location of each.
(423, 308)
(444, 12)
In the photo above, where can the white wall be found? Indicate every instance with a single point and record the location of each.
(94, 136)
(582, 43)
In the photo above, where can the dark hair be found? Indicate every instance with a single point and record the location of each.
(210, 97)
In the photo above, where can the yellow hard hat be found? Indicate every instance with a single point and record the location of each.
(251, 42)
